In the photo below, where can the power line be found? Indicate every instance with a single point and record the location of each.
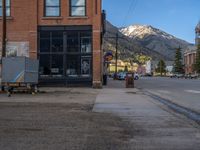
(132, 7)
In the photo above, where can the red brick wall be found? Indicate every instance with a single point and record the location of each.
(22, 25)
(189, 61)
(26, 15)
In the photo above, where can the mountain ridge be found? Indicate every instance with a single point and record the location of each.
(144, 39)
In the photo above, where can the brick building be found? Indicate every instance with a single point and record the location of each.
(65, 35)
(189, 59)
(190, 53)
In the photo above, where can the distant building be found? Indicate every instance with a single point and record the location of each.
(152, 65)
(121, 66)
(189, 59)
(190, 53)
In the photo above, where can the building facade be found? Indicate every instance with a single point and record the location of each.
(190, 53)
(65, 35)
(189, 59)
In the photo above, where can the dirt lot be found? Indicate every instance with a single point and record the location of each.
(59, 119)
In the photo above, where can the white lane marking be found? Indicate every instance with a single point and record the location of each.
(164, 91)
(193, 91)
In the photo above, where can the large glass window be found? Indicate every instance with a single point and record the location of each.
(86, 46)
(7, 7)
(73, 65)
(45, 68)
(52, 8)
(73, 42)
(57, 65)
(57, 41)
(86, 66)
(45, 42)
(78, 7)
(65, 54)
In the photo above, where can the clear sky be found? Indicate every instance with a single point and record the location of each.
(177, 17)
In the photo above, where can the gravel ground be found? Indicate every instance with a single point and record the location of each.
(65, 122)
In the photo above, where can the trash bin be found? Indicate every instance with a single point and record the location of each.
(130, 80)
(104, 79)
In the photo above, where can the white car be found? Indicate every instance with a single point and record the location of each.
(122, 76)
(136, 76)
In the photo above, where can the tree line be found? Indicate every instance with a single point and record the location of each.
(178, 63)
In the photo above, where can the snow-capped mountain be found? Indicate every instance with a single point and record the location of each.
(143, 39)
(154, 39)
(140, 31)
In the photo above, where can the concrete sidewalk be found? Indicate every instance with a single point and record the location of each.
(155, 126)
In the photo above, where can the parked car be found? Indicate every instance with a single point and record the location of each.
(191, 76)
(194, 76)
(136, 76)
(177, 75)
(148, 75)
(122, 76)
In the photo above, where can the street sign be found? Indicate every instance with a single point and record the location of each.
(108, 56)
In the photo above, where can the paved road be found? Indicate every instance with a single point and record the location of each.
(183, 92)
(155, 126)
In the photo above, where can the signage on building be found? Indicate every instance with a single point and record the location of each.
(108, 56)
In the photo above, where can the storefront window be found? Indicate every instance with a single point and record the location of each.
(73, 65)
(72, 42)
(45, 42)
(85, 66)
(65, 54)
(45, 68)
(57, 41)
(86, 45)
(57, 65)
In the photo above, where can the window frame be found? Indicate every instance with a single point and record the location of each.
(45, 9)
(82, 6)
(7, 7)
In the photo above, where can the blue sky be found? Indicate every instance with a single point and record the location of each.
(177, 17)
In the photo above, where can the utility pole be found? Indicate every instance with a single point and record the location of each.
(160, 69)
(4, 28)
(116, 55)
(3, 52)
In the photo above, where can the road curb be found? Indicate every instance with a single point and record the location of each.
(189, 113)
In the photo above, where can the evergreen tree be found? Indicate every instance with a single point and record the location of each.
(178, 66)
(161, 67)
(126, 69)
(197, 62)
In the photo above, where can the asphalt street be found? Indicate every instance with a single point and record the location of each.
(112, 118)
(184, 92)
(155, 125)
